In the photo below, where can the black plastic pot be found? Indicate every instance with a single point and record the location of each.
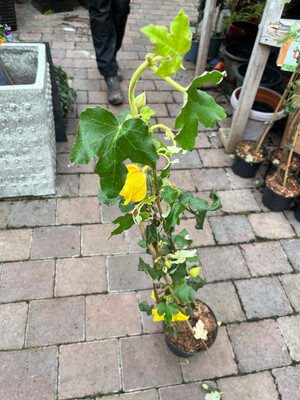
(235, 54)
(297, 212)
(214, 46)
(246, 169)
(271, 77)
(54, 5)
(272, 167)
(184, 354)
(191, 55)
(274, 201)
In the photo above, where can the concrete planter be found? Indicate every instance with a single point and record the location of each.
(27, 137)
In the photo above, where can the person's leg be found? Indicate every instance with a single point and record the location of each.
(104, 39)
(120, 11)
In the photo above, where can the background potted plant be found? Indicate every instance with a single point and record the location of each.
(146, 196)
(66, 94)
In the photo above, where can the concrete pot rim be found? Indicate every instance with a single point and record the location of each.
(41, 56)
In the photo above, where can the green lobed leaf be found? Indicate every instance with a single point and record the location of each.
(100, 135)
(185, 293)
(147, 113)
(173, 330)
(178, 273)
(125, 222)
(180, 239)
(173, 218)
(129, 207)
(169, 195)
(105, 200)
(151, 234)
(198, 107)
(145, 307)
(122, 116)
(196, 283)
(168, 309)
(152, 273)
(171, 45)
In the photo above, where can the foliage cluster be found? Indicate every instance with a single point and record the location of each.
(67, 95)
(146, 196)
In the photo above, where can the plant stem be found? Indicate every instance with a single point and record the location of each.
(170, 81)
(166, 129)
(297, 130)
(285, 93)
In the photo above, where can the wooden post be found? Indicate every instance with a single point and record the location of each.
(258, 60)
(209, 11)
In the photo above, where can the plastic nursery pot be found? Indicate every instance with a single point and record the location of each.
(241, 32)
(191, 55)
(297, 212)
(246, 169)
(265, 102)
(271, 77)
(214, 46)
(275, 201)
(235, 54)
(292, 169)
(184, 354)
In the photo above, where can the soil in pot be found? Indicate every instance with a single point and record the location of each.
(246, 149)
(276, 155)
(186, 341)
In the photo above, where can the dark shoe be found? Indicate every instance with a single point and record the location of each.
(114, 93)
(120, 75)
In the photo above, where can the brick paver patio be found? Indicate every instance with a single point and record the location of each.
(60, 279)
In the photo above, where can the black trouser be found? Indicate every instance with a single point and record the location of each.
(108, 22)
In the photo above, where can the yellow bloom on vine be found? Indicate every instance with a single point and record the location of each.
(175, 317)
(135, 188)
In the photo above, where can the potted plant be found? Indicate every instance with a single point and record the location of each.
(66, 94)
(216, 37)
(146, 196)
(53, 5)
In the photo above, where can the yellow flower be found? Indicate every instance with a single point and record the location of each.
(194, 272)
(175, 317)
(135, 187)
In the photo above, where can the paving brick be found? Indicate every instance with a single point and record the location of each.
(216, 362)
(200, 237)
(32, 213)
(8, 249)
(123, 273)
(223, 300)
(263, 297)
(206, 179)
(272, 225)
(188, 160)
(95, 240)
(66, 147)
(144, 395)
(222, 263)
(66, 185)
(80, 276)
(241, 183)
(55, 321)
(64, 165)
(202, 141)
(110, 213)
(27, 280)
(288, 327)
(258, 345)
(265, 258)
(89, 184)
(12, 325)
(296, 224)
(292, 249)
(97, 362)
(134, 236)
(291, 284)
(249, 387)
(28, 374)
(238, 201)
(78, 210)
(108, 316)
(231, 229)
(215, 158)
(4, 213)
(138, 352)
(161, 97)
(187, 391)
(57, 241)
(182, 179)
(287, 380)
